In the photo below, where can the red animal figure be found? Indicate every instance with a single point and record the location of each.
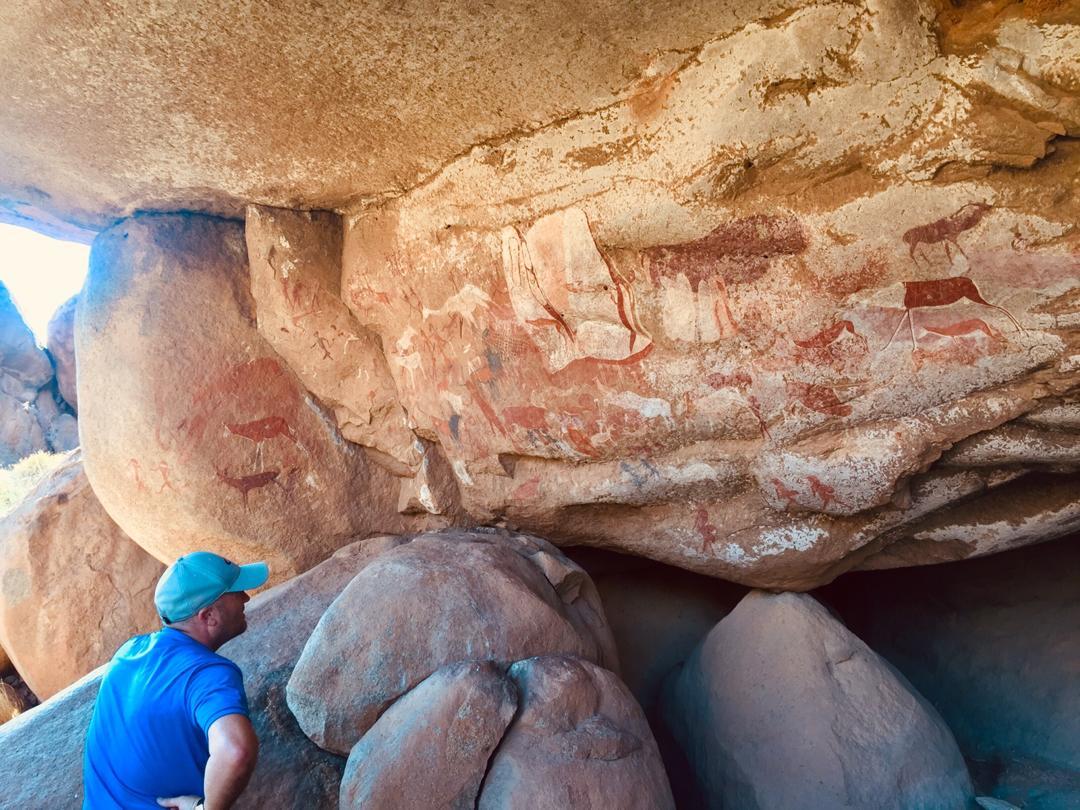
(825, 493)
(261, 430)
(960, 328)
(945, 230)
(789, 495)
(755, 239)
(818, 398)
(246, 483)
(940, 293)
(827, 335)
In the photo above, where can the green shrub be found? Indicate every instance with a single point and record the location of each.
(17, 480)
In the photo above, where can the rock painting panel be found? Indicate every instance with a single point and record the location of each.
(568, 298)
(219, 444)
(553, 370)
(693, 277)
(295, 267)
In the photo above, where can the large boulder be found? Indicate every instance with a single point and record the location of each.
(781, 707)
(25, 366)
(61, 345)
(994, 644)
(24, 370)
(41, 750)
(59, 426)
(73, 586)
(431, 747)
(218, 445)
(628, 329)
(438, 599)
(579, 740)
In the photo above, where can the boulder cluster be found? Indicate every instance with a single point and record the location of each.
(37, 386)
(478, 669)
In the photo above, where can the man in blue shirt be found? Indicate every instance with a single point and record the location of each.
(170, 725)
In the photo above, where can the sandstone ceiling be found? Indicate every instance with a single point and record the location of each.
(206, 106)
(200, 105)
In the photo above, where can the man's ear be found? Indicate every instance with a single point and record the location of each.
(207, 615)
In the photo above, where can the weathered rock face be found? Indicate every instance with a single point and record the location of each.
(431, 748)
(578, 740)
(757, 290)
(295, 280)
(73, 586)
(217, 446)
(140, 135)
(781, 706)
(25, 366)
(997, 651)
(61, 346)
(292, 773)
(30, 417)
(436, 600)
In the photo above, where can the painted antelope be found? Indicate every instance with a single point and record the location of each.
(940, 293)
(945, 230)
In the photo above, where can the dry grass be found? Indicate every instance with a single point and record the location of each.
(17, 480)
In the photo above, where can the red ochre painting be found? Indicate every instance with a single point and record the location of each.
(546, 344)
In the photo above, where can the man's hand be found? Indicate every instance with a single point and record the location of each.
(180, 802)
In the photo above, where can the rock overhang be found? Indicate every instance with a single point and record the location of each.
(205, 106)
(727, 307)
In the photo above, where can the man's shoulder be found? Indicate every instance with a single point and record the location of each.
(171, 649)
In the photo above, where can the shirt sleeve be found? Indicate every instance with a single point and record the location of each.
(216, 690)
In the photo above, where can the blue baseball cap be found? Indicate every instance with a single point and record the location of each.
(199, 579)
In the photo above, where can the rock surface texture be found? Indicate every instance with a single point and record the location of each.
(436, 600)
(997, 651)
(196, 434)
(73, 586)
(658, 615)
(32, 417)
(579, 740)
(61, 346)
(782, 707)
(431, 748)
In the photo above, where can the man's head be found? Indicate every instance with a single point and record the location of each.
(203, 595)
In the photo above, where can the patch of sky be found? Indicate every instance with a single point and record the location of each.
(40, 273)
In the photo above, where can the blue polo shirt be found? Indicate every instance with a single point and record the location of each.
(148, 735)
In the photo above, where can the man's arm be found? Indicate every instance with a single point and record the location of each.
(234, 749)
